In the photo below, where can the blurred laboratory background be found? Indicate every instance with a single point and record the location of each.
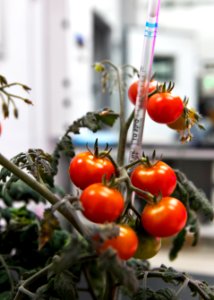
(50, 45)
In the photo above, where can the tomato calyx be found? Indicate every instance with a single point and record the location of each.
(97, 153)
(111, 183)
(164, 88)
(150, 162)
(145, 160)
(183, 125)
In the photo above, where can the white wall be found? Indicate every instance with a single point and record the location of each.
(40, 53)
(198, 19)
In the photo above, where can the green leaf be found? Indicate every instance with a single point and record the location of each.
(196, 197)
(177, 244)
(138, 265)
(42, 293)
(65, 286)
(58, 240)
(36, 162)
(22, 216)
(66, 146)
(107, 116)
(193, 226)
(19, 191)
(75, 249)
(148, 294)
(98, 278)
(120, 272)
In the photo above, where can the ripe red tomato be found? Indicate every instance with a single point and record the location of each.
(132, 91)
(155, 179)
(165, 218)
(86, 169)
(164, 107)
(101, 203)
(125, 243)
(148, 246)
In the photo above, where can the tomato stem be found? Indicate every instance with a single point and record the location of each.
(107, 154)
(132, 207)
(66, 210)
(142, 159)
(122, 129)
(96, 149)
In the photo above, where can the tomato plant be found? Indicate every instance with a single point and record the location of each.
(125, 243)
(101, 203)
(86, 168)
(165, 218)
(148, 246)
(155, 179)
(164, 107)
(43, 247)
(132, 91)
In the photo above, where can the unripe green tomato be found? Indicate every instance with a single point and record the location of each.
(148, 246)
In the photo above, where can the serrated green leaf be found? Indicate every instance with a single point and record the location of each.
(165, 294)
(107, 116)
(120, 272)
(58, 240)
(19, 191)
(197, 199)
(98, 278)
(65, 287)
(177, 244)
(36, 162)
(138, 265)
(66, 146)
(148, 294)
(76, 248)
(42, 292)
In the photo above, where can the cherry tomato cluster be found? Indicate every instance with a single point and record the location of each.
(162, 107)
(168, 216)
(102, 202)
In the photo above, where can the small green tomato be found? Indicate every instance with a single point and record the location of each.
(148, 246)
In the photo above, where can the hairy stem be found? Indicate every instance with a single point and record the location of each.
(183, 277)
(23, 287)
(122, 134)
(90, 287)
(64, 209)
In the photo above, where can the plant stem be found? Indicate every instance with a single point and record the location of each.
(90, 287)
(122, 135)
(186, 281)
(65, 210)
(9, 95)
(23, 287)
